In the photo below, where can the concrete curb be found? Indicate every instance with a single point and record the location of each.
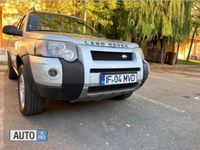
(1, 112)
(3, 68)
(189, 69)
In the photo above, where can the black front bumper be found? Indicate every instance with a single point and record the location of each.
(73, 81)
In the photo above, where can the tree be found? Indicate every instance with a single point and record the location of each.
(141, 20)
(13, 10)
(195, 23)
(158, 20)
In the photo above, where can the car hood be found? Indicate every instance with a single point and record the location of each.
(79, 39)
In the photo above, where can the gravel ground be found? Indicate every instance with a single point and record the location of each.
(163, 115)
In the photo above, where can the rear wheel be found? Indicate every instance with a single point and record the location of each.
(29, 102)
(122, 97)
(11, 72)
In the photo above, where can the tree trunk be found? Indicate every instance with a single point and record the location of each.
(140, 42)
(192, 41)
(177, 51)
(133, 38)
(173, 49)
(162, 50)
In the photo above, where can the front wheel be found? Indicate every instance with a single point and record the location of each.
(29, 102)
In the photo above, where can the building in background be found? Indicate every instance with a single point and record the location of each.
(184, 48)
(1, 20)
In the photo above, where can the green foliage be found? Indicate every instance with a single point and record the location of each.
(191, 62)
(196, 13)
(158, 19)
(144, 19)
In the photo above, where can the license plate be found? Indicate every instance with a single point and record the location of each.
(113, 79)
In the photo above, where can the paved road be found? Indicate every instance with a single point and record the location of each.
(163, 114)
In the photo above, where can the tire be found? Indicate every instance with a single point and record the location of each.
(11, 72)
(145, 72)
(122, 97)
(29, 102)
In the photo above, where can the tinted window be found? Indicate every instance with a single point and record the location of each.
(57, 23)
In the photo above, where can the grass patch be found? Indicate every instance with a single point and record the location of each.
(190, 62)
(3, 62)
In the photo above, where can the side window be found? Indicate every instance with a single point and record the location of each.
(21, 24)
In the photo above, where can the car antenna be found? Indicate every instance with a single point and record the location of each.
(33, 9)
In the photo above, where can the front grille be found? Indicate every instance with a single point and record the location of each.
(118, 70)
(108, 88)
(111, 56)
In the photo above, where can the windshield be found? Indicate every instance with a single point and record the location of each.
(58, 23)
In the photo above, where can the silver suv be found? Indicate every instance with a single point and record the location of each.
(61, 57)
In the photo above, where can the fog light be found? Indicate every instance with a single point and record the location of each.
(52, 72)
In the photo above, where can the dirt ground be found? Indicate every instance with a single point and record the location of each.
(188, 70)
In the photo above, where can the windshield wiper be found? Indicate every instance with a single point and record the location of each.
(45, 30)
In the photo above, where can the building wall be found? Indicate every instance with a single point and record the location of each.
(184, 48)
(1, 26)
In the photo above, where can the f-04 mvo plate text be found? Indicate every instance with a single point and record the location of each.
(113, 79)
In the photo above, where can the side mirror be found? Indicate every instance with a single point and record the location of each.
(12, 30)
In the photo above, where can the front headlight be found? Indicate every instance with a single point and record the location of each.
(65, 50)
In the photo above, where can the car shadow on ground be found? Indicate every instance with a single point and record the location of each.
(93, 108)
(91, 113)
(59, 106)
